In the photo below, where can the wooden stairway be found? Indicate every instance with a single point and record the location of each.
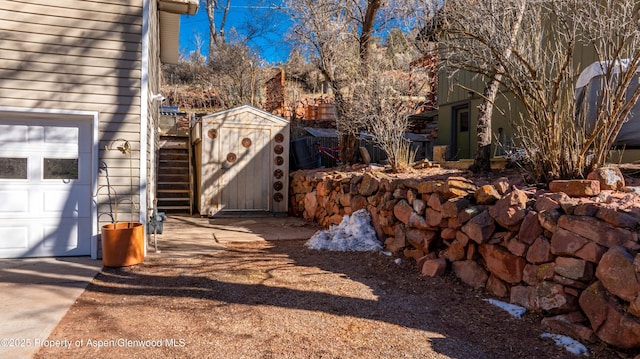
(175, 184)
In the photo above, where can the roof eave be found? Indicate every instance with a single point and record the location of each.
(183, 7)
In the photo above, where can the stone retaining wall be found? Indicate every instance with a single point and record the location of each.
(574, 259)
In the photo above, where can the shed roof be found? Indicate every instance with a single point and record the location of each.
(239, 115)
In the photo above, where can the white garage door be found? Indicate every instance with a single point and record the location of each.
(45, 188)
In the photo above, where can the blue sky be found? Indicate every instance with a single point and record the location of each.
(270, 45)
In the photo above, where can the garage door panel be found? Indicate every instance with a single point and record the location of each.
(66, 204)
(14, 238)
(62, 235)
(12, 134)
(57, 134)
(14, 202)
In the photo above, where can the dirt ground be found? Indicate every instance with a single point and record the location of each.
(279, 299)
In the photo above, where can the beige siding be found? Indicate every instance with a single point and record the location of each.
(454, 92)
(79, 55)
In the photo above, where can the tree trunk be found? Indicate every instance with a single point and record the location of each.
(212, 25)
(367, 30)
(482, 162)
(348, 148)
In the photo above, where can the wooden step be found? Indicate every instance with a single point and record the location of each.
(173, 199)
(173, 161)
(173, 191)
(174, 208)
(174, 157)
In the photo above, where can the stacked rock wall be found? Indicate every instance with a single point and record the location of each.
(574, 259)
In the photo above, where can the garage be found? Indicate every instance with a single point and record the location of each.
(45, 185)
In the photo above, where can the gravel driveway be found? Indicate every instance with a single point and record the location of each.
(278, 299)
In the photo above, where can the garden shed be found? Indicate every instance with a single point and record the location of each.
(242, 162)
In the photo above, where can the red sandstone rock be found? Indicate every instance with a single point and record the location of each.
(429, 186)
(549, 219)
(458, 187)
(470, 273)
(480, 228)
(411, 196)
(497, 287)
(402, 210)
(455, 252)
(452, 207)
(472, 251)
(567, 325)
(617, 218)
(576, 188)
(515, 246)
(419, 206)
(462, 238)
(530, 229)
(435, 201)
(570, 285)
(417, 221)
(617, 273)
(608, 319)
(595, 230)
(335, 219)
(502, 185)
(466, 214)
(586, 209)
(358, 202)
(510, 210)
(546, 203)
(565, 242)
(432, 217)
(420, 238)
(574, 268)
(310, 205)
(486, 194)
(448, 233)
(551, 297)
(609, 178)
(323, 188)
(394, 245)
(591, 252)
(530, 274)
(453, 222)
(434, 267)
(540, 251)
(521, 295)
(502, 264)
(416, 254)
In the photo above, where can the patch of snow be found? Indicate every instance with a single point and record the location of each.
(514, 310)
(398, 261)
(353, 234)
(388, 254)
(571, 345)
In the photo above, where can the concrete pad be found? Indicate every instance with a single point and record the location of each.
(36, 293)
(34, 296)
(191, 235)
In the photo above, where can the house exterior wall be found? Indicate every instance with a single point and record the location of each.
(454, 92)
(82, 56)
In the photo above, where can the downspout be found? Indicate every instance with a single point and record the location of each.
(144, 113)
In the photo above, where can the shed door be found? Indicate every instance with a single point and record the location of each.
(45, 195)
(246, 169)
